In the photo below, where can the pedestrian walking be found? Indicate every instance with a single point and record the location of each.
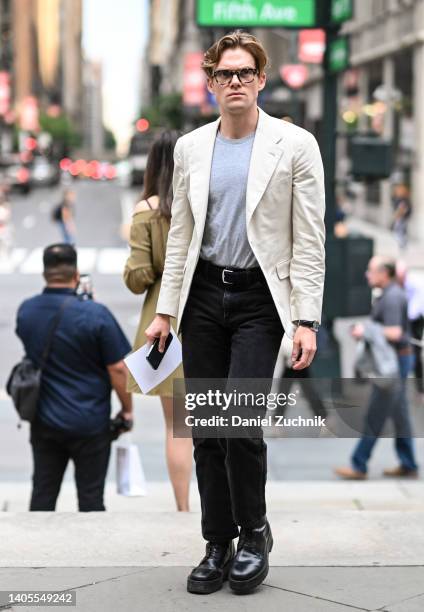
(83, 366)
(143, 272)
(415, 295)
(244, 270)
(64, 215)
(401, 213)
(5, 223)
(390, 312)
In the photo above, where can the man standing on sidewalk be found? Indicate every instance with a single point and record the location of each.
(83, 366)
(391, 311)
(244, 262)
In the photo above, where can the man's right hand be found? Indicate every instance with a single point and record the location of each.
(158, 328)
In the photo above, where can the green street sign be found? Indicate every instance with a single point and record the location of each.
(338, 54)
(341, 10)
(256, 13)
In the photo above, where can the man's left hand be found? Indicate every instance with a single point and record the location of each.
(304, 348)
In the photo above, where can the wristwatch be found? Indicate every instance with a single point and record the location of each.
(313, 325)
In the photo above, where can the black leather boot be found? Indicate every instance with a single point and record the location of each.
(212, 570)
(250, 566)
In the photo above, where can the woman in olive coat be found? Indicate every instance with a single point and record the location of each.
(143, 272)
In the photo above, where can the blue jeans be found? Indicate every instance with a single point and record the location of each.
(68, 238)
(383, 404)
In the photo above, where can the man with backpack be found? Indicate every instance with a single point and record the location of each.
(84, 364)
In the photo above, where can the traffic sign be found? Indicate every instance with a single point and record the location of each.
(194, 84)
(294, 75)
(257, 13)
(338, 54)
(311, 46)
(341, 10)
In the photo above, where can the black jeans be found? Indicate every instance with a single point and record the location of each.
(230, 333)
(52, 450)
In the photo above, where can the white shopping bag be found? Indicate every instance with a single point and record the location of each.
(130, 478)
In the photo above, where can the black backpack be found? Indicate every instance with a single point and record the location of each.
(24, 382)
(57, 213)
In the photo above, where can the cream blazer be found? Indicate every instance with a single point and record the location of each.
(285, 205)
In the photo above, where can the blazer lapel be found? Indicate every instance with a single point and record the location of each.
(200, 171)
(266, 152)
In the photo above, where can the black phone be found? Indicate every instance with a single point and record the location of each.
(154, 357)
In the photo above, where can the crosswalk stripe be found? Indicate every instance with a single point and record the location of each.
(112, 261)
(86, 259)
(90, 259)
(33, 264)
(9, 264)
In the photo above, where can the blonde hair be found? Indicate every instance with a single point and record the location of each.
(233, 40)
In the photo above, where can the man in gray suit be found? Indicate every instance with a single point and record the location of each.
(244, 276)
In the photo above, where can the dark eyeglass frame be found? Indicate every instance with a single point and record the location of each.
(230, 73)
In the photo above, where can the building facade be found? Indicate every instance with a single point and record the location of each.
(379, 94)
(47, 55)
(387, 53)
(93, 109)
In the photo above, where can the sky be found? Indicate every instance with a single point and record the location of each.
(115, 33)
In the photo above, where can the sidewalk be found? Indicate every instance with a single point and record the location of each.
(338, 546)
(385, 243)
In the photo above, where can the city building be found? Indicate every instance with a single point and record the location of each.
(6, 63)
(165, 19)
(379, 94)
(71, 58)
(93, 110)
(387, 55)
(47, 56)
(6, 51)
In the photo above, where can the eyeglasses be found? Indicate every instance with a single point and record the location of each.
(244, 75)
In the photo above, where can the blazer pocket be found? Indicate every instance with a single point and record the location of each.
(284, 178)
(283, 268)
(282, 175)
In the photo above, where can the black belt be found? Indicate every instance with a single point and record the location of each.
(228, 277)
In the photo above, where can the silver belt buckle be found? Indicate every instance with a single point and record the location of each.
(223, 276)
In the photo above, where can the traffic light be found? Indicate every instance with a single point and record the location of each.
(142, 125)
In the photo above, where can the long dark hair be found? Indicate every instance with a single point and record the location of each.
(159, 170)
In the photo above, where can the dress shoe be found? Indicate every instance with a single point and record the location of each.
(349, 473)
(212, 570)
(250, 566)
(400, 472)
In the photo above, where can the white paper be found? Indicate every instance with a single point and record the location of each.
(146, 377)
(130, 478)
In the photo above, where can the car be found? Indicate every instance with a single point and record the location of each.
(137, 156)
(15, 174)
(44, 172)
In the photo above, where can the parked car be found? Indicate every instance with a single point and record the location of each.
(44, 172)
(137, 156)
(15, 174)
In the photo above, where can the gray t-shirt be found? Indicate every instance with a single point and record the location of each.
(225, 239)
(391, 309)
